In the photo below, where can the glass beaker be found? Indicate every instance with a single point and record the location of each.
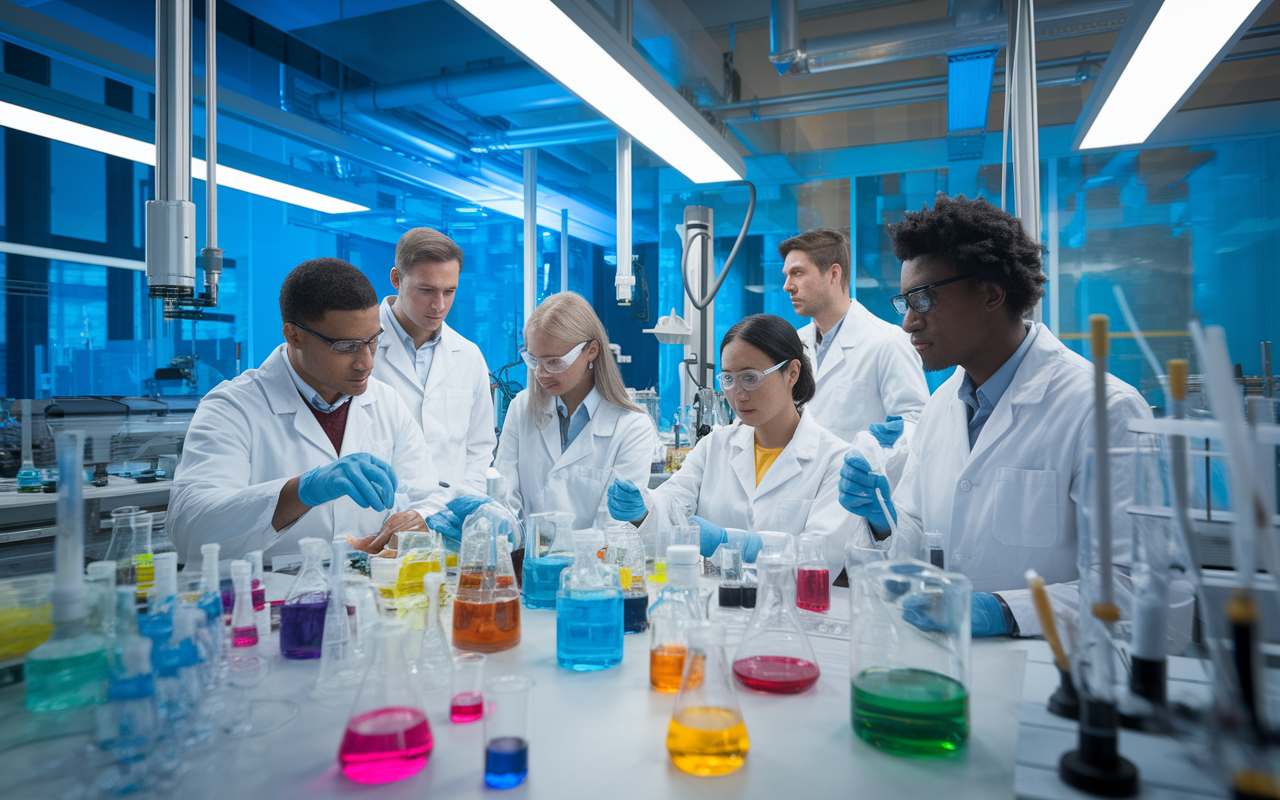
(909, 657)
(467, 704)
(775, 655)
(588, 609)
(813, 578)
(419, 552)
(303, 612)
(130, 548)
(429, 656)
(676, 607)
(388, 737)
(486, 608)
(506, 731)
(730, 589)
(548, 552)
(707, 735)
(626, 554)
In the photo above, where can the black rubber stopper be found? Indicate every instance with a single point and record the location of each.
(1097, 766)
(1064, 702)
(1149, 679)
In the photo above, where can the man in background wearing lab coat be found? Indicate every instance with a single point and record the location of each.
(998, 457)
(868, 375)
(308, 444)
(440, 375)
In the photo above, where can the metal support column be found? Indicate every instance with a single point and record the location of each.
(1024, 118)
(530, 232)
(171, 217)
(212, 254)
(624, 279)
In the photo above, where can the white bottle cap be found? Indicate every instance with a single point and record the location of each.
(682, 555)
(241, 572)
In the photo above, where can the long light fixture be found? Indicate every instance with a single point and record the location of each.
(1182, 40)
(548, 38)
(113, 144)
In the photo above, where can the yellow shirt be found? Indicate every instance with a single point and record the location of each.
(764, 459)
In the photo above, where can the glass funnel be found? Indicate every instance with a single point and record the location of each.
(548, 552)
(486, 608)
(388, 737)
(909, 657)
(588, 609)
(303, 612)
(707, 735)
(130, 548)
(775, 655)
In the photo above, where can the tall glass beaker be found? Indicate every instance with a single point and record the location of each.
(707, 735)
(909, 657)
(486, 608)
(548, 552)
(775, 655)
(130, 548)
(588, 610)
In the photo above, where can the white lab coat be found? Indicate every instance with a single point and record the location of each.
(455, 409)
(870, 371)
(1009, 505)
(718, 483)
(616, 443)
(250, 435)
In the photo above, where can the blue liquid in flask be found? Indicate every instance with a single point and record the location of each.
(506, 762)
(542, 580)
(589, 631)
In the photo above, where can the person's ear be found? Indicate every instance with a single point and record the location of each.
(793, 372)
(834, 274)
(992, 294)
(395, 279)
(592, 350)
(292, 335)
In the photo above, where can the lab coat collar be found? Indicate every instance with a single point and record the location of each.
(802, 449)
(846, 338)
(283, 398)
(391, 348)
(603, 422)
(1030, 383)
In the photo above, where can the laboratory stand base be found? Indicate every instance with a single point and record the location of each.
(1119, 781)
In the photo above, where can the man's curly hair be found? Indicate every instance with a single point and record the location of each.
(978, 239)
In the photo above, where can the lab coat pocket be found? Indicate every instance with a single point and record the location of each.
(1026, 507)
(458, 403)
(586, 484)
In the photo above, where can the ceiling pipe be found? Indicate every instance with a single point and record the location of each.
(439, 88)
(595, 130)
(784, 34)
(971, 25)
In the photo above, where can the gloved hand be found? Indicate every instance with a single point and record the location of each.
(626, 504)
(887, 432)
(366, 479)
(858, 491)
(986, 615)
(712, 536)
(448, 522)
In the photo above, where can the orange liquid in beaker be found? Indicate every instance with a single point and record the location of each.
(666, 666)
(486, 627)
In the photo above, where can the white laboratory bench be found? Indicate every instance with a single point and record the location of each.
(603, 734)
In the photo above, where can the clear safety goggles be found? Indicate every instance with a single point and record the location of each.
(552, 364)
(747, 379)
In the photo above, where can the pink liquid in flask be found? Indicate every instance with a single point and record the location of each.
(813, 589)
(776, 674)
(466, 707)
(385, 745)
(244, 637)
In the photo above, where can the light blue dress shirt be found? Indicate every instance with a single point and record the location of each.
(982, 400)
(311, 395)
(826, 339)
(570, 427)
(420, 357)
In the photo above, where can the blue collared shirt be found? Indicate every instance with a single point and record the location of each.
(420, 357)
(570, 427)
(825, 339)
(982, 400)
(311, 395)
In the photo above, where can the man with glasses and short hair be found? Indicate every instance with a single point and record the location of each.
(309, 428)
(997, 461)
(868, 376)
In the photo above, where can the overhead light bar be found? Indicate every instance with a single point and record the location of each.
(113, 144)
(549, 39)
(1182, 41)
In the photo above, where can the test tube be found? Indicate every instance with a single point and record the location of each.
(506, 731)
(933, 549)
(467, 704)
(730, 578)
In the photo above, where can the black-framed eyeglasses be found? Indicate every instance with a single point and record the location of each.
(920, 299)
(343, 347)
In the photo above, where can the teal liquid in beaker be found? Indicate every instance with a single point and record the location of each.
(67, 673)
(912, 712)
(542, 580)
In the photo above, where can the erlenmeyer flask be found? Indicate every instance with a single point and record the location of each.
(707, 735)
(486, 608)
(388, 737)
(341, 662)
(626, 553)
(430, 659)
(548, 552)
(303, 612)
(588, 609)
(130, 548)
(775, 655)
(676, 608)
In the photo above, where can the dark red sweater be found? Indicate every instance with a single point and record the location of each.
(334, 424)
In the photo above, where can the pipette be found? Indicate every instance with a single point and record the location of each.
(1064, 702)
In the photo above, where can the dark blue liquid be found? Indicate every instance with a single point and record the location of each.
(635, 613)
(302, 628)
(506, 762)
(589, 630)
(542, 580)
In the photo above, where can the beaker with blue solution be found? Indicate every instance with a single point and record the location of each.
(589, 616)
(548, 553)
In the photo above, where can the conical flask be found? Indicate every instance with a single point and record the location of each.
(486, 608)
(388, 737)
(775, 655)
(547, 553)
(588, 609)
(428, 654)
(707, 735)
(302, 615)
(130, 548)
(676, 607)
(341, 663)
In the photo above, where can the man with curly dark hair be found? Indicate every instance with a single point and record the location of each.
(998, 459)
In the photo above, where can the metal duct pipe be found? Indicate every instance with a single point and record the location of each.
(424, 90)
(784, 34)
(402, 134)
(596, 130)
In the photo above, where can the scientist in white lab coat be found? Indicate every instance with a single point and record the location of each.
(868, 376)
(998, 456)
(308, 444)
(774, 469)
(574, 430)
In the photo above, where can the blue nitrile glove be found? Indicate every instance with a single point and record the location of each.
(858, 491)
(448, 522)
(712, 536)
(887, 432)
(988, 617)
(922, 611)
(749, 543)
(626, 504)
(366, 479)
